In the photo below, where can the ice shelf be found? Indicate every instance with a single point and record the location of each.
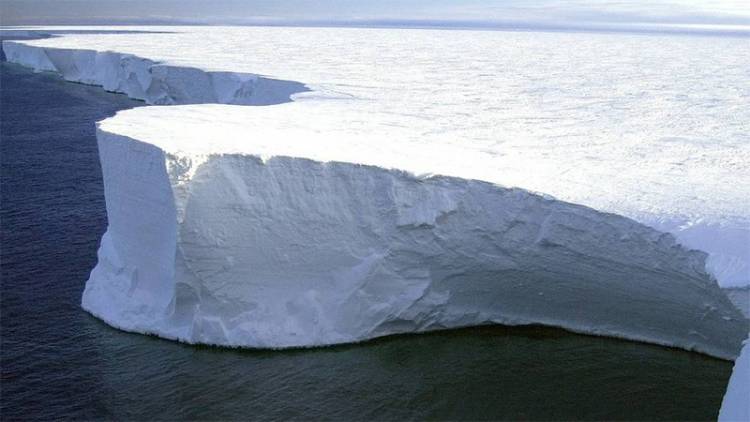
(339, 217)
(283, 236)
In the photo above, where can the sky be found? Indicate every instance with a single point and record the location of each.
(428, 12)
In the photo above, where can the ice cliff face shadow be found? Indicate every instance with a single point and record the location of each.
(276, 91)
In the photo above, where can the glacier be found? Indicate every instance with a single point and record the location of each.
(357, 210)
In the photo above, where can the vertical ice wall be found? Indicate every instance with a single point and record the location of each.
(736, 404)
(152, 82)
(288, 251)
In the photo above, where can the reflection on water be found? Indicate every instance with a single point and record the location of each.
(58, 361)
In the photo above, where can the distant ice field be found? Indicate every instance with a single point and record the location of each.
(653, 127)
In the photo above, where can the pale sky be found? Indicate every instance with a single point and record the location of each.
(543, 12)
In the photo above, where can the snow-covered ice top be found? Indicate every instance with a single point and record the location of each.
(652, 127)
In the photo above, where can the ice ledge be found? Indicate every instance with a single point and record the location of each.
(150, 81)
(270, 250)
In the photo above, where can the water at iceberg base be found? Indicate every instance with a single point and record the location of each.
(59, 362)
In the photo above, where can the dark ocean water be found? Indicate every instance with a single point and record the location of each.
(58, 362)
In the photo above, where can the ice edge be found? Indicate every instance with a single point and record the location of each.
(150, 81)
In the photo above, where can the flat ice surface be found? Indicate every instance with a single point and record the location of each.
(656, 128)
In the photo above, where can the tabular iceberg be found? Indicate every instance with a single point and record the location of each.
(295, 225)
(281, 239)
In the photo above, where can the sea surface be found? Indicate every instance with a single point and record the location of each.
(58, 362)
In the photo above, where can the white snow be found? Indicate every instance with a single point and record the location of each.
(317, 221)
(736, 404)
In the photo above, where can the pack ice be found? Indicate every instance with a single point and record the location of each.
(350, 213)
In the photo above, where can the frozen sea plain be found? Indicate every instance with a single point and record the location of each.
(650, 128)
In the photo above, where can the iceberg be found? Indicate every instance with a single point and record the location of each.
(289, 237)
(736, 404)
(351, 213)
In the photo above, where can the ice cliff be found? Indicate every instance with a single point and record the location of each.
(152, 82)
(251, 245)
(736, 404)
(307, 223)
